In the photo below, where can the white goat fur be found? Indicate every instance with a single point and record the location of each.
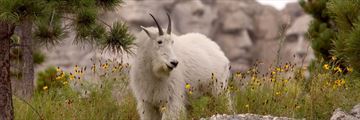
(166, 97)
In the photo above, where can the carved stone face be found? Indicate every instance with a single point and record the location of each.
(297, 45)
(194, 16)
(235, 38)
(133, 12)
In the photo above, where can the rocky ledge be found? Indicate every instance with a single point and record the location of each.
(245, 117)
(338, 114)
(354, 114)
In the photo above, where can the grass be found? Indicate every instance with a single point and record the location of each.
(284, 91)
(91, 102)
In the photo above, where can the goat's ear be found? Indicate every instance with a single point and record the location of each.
(151, 35)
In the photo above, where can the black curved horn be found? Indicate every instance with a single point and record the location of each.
(169, 26)
(157, 24)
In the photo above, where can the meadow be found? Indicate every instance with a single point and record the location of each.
(100, 92)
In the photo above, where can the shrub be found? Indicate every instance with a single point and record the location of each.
(52, 78)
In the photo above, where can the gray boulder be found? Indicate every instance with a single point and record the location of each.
(354, 114)
(245, 117)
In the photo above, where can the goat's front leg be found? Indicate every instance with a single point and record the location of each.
(173, 110)
(148, 111)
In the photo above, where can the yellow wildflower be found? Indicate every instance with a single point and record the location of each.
(72, 77)
(247, 105)
(326, 66)
(105, 66)
(333, 58)
(342, 81)
(238, 74)
(81, 72)
(338, 69)
(252, 88)
(58, 69)
(286, 67)
(65, 82)
(187, 86)
(272, 79)
(93, 68)
(327, 83)
(58, 77)
(127, 65)
(190, 92)
(45, 87)
(114, 69)
(278, 69)
(338, 82)
(277, 93)
(76, 68)
(350, 69)
(286, 80)
(273, 72)
(334, 87)
(62, 74)
(253, 78)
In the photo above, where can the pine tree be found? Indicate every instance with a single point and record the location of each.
(6, 107)
(43, 21)
(335, 32)
(321, 30)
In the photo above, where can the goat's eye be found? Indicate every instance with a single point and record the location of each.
(292, 38)
(159, 42)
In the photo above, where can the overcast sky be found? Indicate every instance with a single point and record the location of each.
(279, 4)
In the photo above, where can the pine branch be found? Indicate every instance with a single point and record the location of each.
(103, 22)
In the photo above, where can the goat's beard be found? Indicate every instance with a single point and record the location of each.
(161, 70)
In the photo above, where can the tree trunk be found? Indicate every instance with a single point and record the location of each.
(6, 106)
(27, 59)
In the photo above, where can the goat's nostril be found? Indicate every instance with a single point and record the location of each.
(175, 63)
(301, 55)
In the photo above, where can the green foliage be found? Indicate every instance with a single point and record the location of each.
(119, 39)
(16, 55)
(86, 17)
(90, 102)
(49, 17)
(334, 30)
(38, 57)
(85, 23)
(49, 29)
(321, 36)
(321, 30)
(327, 89)
(317, 8)
(206, 106)
(108, 4)
(275, 93)
(14, 11)
(50, 78)
(64, 103)
(353, 50)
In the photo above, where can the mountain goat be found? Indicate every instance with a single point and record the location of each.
(166, 65)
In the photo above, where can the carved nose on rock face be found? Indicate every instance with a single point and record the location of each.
(174, 63)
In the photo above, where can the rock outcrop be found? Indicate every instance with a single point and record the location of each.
(246, 117)
(354, 114)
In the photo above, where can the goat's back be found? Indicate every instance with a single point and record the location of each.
(199, 58)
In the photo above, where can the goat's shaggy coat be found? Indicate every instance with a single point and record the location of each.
(161, 93)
